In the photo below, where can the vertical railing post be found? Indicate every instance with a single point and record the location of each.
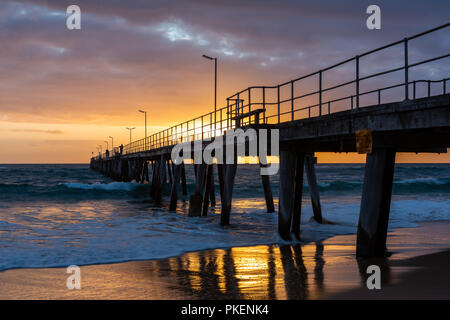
(429, 88)
(444, 86)
(264, 105)
(249, 102)
(278, 93)
(228, 113)
(414, 89)
(292, 100)
(320, 93)
(202, 128)
(357, 81)
(379, 96)
(406, 70)
(237, 104)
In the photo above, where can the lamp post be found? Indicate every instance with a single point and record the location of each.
(112, 143)
(215, 88)
(145, 139)
(130, 131)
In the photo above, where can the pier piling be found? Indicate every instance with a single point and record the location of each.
(291, 183)
(183, 179)
(175, 184)
(375, 203)
(196, 199)
(220, 175)
(267, 192)
(230, 173)
(310, 162)
(207, 190)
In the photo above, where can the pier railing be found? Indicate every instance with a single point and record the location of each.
(284, 102)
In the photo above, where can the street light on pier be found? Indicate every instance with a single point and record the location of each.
(130, 131)
(112, 143)
(215, 87)
(145, 138)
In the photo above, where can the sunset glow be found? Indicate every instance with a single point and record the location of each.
(62, 92)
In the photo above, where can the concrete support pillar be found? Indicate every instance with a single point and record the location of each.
(155, 176)
(212, 191)
(207, 189)
(267, 192)
(146, 171)
(375, 203)
(169, 170)
(291, 184)
(298, 192)
(174, 191)
(141, 170)
(161, 178)
(221, 175)
(125, 170)
(310, 168)
(132, 169)
(196, 199)
(230, 173)
(183, 179)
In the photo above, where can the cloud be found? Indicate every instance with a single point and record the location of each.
(148, 53)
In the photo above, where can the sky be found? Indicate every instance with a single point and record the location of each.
(63, 92)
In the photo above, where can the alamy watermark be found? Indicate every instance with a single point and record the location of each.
(73, 20)
(74, 280)
(374, 20)
(227, 148)
(374, 280)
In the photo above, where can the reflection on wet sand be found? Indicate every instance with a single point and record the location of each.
(327, 269)
(260, 272)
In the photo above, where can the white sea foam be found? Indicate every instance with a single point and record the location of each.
(94, 230)
(132, 232)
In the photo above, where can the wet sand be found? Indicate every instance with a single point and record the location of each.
(417, 268)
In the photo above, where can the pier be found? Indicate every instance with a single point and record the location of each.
(412, 115)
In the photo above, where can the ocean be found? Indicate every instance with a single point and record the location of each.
(60, 215)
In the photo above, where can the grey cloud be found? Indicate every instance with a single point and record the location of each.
(127, 48)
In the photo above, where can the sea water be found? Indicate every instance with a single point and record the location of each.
(59, 215)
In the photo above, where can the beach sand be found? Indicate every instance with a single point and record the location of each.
(417, 269)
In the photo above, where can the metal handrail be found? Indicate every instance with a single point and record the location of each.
(202, 127)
